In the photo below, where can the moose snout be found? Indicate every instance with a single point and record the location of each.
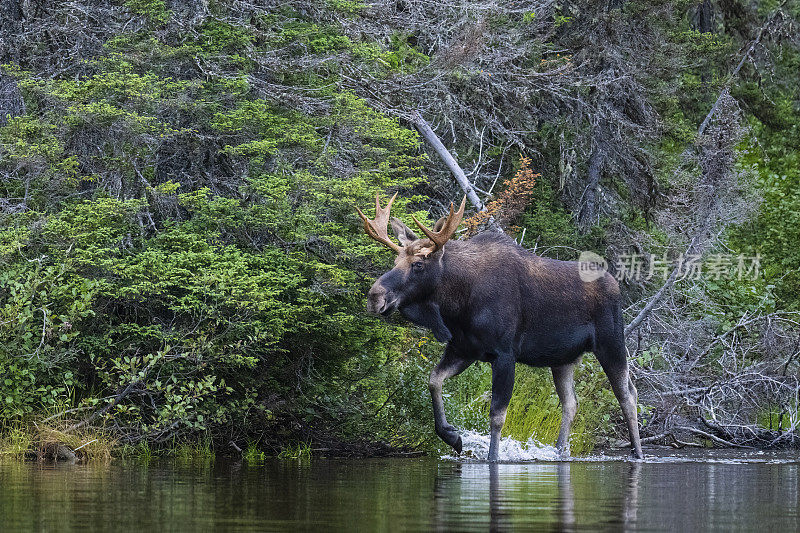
(379, 301)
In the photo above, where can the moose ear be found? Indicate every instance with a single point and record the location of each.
(403, 232)
(439, 224)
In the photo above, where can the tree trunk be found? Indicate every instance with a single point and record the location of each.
(704, 18)
(589, 205)
(430, 136)
(588, 212)
(11, 102)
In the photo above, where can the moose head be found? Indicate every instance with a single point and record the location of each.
(418, 265)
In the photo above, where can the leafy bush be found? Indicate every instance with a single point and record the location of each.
(188, 261)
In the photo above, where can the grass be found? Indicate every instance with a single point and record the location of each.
(15, 441)
(43, 441)
(87, 445)
(534, 410)
(193, 452)
(252, 454)
(299, 451)
(141, 451)
(184, 451)
(47, 441)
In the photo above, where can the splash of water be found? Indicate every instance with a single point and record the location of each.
(476, 447)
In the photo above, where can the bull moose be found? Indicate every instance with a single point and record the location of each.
(491, 300)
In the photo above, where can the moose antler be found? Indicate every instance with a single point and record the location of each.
(376, 228)
(439, 238)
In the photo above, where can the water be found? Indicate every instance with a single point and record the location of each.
(670, 491)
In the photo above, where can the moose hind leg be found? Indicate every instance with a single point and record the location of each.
(450, 366)
(632, 418)
(502, 387)
(626, 394)
(564, 380)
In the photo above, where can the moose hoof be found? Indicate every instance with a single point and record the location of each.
(636, 455)
(450, 435)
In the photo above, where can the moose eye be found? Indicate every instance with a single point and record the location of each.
(419, 266)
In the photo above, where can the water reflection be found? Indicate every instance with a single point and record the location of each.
(508, 496)
(496, 497)
(632, 495)
(566, 498)
(402, 495)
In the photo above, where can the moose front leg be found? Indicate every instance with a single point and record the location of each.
(502, 387)
(451, 365)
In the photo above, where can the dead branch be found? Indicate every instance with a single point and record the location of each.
(709, 436)
(430, 136)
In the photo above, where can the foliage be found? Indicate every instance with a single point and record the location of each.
(298, 452)
(187, 255)
(511, 202)
(180, 258)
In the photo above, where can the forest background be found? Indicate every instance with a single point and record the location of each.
(181, 262)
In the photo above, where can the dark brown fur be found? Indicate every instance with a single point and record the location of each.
(491, 300)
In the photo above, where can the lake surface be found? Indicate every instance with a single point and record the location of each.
(670, 491)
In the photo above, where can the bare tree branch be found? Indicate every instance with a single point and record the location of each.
(430, 136)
